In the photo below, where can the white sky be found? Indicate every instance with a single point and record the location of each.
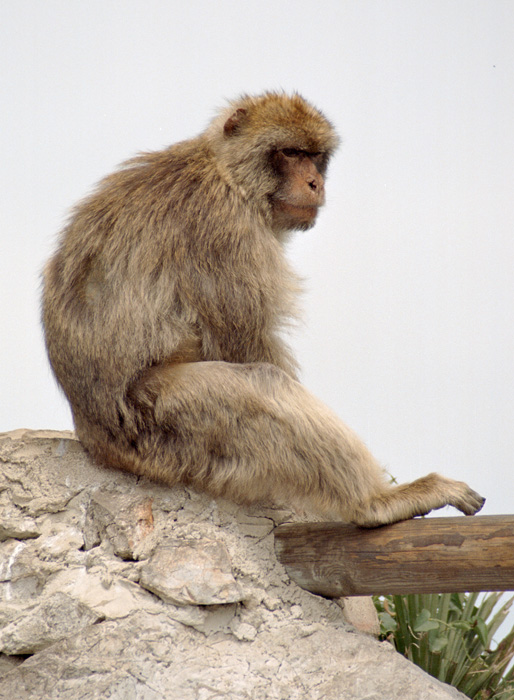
(408, 331)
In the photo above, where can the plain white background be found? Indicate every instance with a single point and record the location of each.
(408, 329)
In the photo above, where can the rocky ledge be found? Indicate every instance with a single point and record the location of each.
(114, 587)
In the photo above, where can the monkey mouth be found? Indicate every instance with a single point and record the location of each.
(300, 212)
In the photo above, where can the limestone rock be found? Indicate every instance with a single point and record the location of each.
(13, 523)
(125, 520)
(191, 572)
(360, 612)
(39, 625)
(112, 586)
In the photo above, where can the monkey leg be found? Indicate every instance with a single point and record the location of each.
(253, 434)
(417, 498)
(250, 433)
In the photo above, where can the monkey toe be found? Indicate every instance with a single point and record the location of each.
(471, 503)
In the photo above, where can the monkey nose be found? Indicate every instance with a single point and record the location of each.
(316, 189)
(316, 184)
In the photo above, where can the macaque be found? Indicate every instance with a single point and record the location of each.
(163, 309)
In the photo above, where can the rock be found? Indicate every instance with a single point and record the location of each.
(13, 523)
(40, 625)
(360, 612)
(191, 572)
(113, 586)
(125, 520)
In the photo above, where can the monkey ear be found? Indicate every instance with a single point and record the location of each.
(232, 124)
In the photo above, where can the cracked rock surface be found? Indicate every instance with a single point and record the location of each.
(114, 587)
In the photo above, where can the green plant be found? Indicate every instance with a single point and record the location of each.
(450, 636)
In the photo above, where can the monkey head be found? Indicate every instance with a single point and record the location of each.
(275, 149)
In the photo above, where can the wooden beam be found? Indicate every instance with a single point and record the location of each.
(424, 555)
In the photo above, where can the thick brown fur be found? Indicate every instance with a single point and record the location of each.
(163, 307)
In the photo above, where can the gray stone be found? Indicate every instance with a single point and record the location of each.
(191, 572)
(115, 587)
(124, 519)
(360, 612)
(40, 625)
(13, 523)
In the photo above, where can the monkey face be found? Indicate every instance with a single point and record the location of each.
(301, 190)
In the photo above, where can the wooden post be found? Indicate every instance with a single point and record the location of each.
(424, 555)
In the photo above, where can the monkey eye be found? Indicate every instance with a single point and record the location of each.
(293, 152)
(301, 153)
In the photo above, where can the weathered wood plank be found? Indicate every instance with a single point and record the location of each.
(424, 555)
